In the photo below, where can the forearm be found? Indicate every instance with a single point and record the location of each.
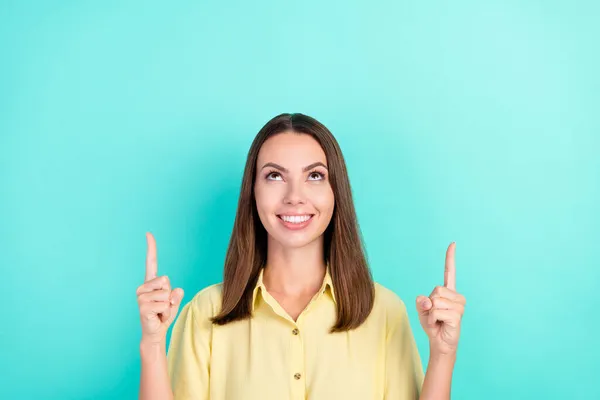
(154, 381)
(438, 377)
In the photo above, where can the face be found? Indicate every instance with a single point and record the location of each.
(293, 196)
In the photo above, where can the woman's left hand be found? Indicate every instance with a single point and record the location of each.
(440, 314)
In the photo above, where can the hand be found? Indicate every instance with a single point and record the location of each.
(440, 314)
(158, 304)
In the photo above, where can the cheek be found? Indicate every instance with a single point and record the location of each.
(324, 201)
(266, 200)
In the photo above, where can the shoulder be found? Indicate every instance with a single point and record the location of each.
(206, 302)
(389, 302)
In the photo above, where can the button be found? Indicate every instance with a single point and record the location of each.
(297, 376)
(295, 331)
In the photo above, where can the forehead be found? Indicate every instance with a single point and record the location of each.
(291, 150)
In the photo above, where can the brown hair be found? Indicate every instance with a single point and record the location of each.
(343, 246)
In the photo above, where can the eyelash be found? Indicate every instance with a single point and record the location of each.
(314, 171)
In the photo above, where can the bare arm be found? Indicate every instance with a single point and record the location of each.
(438, 378)
(154, 381)
(440, 315)
(158, 306)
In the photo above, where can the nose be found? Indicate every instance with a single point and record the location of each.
(294, 194)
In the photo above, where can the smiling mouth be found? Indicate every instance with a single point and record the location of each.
(296, 219)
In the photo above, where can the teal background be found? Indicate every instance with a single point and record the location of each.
(467, 121)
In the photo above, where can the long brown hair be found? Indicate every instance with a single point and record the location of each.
(343, 245)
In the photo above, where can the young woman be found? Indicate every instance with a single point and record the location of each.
(297, 315)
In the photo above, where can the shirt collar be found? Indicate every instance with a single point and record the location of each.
(327, 282)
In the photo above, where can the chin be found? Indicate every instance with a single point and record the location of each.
(290, 241)
(293, 241)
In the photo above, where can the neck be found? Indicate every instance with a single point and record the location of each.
(294, 271)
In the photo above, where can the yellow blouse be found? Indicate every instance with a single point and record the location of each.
(271, 357)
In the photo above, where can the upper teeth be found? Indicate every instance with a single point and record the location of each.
(295, 219)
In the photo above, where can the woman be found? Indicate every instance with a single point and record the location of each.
(297, 315)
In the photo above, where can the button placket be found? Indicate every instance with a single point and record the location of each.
(297, 365)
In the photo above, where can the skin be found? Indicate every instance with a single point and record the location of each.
(295, 268)
(158, 306)
(440, 315)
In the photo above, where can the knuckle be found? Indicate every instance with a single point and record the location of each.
(438, 301)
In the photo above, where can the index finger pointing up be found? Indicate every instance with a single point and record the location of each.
(151, 263)
(450, 270)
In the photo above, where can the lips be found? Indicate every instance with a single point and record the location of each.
(295, 225)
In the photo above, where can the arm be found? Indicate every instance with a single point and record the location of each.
(440, 315)
(438, 377)
(154, 382)
(158, 306)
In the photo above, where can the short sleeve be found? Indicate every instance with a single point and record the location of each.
(404, 371)
(188, 355)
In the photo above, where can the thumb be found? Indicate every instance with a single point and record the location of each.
(423, 304)
(176, 297)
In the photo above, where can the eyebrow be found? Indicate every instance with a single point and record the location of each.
(279, 167)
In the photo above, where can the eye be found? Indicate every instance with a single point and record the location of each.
(272, 172)
(320, 175)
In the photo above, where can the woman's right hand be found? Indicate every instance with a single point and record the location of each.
(157, 302)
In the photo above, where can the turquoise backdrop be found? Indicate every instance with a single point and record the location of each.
(467, 121)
